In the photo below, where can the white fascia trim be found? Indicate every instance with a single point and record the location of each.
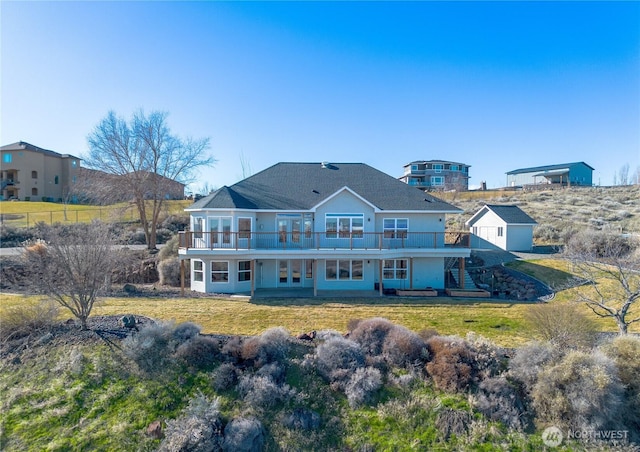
(343, 189)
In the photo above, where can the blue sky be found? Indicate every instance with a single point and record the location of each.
(498, 86)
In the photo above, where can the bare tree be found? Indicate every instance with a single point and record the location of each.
(624, 174)
(73, 265)
(148, 160)
(609, 264)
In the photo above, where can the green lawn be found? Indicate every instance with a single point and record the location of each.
(27, 213)
(500, 321)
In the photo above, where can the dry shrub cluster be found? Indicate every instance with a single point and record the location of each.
(158, 347)
(451, 366)
(271, 346)
(26, 319)
(388, 345)
(582, 391)
(562, 324)
(199, 428)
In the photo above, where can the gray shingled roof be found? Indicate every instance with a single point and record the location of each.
(510, 214)
(301, 186)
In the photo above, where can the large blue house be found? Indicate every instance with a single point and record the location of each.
(342, 226)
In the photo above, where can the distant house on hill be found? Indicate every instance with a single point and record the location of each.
(32, 173)
(565, 174)
(436, 175)
(506, 227)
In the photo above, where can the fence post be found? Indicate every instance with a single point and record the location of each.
(76, 216)
(51, 217)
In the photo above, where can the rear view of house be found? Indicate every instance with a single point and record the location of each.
(343, 226)
(505, 227)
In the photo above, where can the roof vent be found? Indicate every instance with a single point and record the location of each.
(325, 164)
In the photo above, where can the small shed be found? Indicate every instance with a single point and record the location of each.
(502, 226)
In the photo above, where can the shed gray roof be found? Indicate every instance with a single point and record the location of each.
(548, 168)
(24, 146)
(302, 186)
(509, 214)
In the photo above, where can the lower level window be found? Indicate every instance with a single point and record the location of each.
(244, 271)
(394, 269)
(219, 271)
(343, 269)
(198, 272)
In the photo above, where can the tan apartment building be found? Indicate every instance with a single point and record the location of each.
(28, 172)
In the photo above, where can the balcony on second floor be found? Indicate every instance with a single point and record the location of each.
(322, 240)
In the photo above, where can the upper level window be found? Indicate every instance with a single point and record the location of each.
(500, 231)
(454, 167)
(344, 225)
(395, 228)
(74, 163)
(220, 229)
(437, 167)
(6, 158)
(34, 174)
(244, 228)
(437, 180)
(414, 167)
(198, 227)
(56, 180)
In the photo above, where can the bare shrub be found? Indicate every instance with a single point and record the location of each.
(28, 318)
(225, 377)
(450, 421)
(562, 324)
(153, 347)
(232, 350)
(427, 334)
(529, 360)
(338, 358)
(200, 352)
(488, 359)
(362, 386)
(452, 364)
(169, 271)
(244, 434)
(275, 371)
(271, 346)
(500, 401)
(263, 392)
(370, 334)
(582, 392)
(302, 419)
(404, 348)
(198, 429)
(186, 331)
(625, 352)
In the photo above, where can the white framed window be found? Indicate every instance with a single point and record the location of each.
(220, 230)
(414, 167)
(437, 167)
(475, 230)
(339, 225)
(219, 271)
(395, 228)
(344, 270)
(500, 231)
(437, 180)
(394, 269)
(198, 271)
(244, 228)
(198, 227)
(308, 272)
(244, 271)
